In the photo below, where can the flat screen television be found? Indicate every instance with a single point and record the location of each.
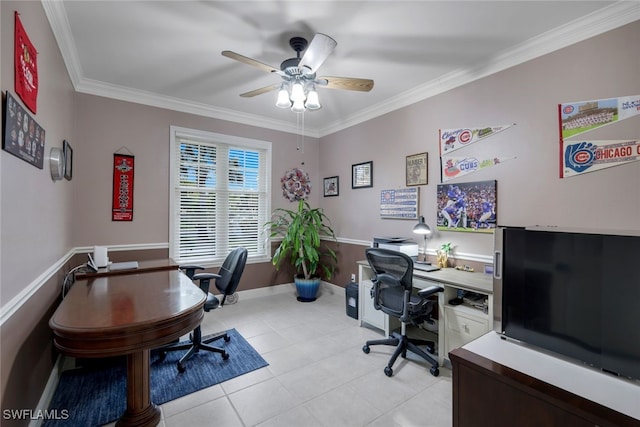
(574, 293)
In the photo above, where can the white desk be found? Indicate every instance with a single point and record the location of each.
(457, 325)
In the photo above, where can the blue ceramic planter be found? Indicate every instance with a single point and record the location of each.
(307, 288)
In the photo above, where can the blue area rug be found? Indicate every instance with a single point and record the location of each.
(95, 396)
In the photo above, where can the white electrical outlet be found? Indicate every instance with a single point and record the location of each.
(353, 277)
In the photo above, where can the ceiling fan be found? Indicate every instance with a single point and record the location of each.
(297, 89)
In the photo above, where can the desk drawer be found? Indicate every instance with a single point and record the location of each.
(463, 328)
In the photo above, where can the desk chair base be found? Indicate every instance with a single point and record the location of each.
(402, 344)
(195, 346)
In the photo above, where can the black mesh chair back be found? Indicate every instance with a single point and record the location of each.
(393, 294)
(394, 274)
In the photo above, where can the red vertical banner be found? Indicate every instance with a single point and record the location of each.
(122, 208)
(26, 67)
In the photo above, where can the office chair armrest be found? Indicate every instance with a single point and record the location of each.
(190, 269)
(205, 280)
(427, 292)
(200, 276)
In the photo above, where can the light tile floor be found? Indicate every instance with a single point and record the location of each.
(318, 374)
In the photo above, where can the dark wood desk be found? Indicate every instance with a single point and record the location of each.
(128, 315)
(143, 267)
(488, 393)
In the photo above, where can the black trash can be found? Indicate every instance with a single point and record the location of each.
(351, 299)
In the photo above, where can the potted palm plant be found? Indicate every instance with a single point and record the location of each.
(301, 231)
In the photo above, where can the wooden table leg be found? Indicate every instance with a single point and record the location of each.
(140, 410)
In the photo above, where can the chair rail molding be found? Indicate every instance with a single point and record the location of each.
(13, 305)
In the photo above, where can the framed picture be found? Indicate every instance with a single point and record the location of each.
(362, 175)
(331, 187)
(68, 160)
(469, 206)
(401, 203)
(417, 169)
(23, 137)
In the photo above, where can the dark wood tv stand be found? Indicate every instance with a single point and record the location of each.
(487, 393)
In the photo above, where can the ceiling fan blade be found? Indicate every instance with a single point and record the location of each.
(320, 48)
(346, 83)
(260, 91)
(249, 61)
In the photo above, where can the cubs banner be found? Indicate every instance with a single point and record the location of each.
(589, 156)
(26, 67)
(580, 117)
(454, 167)
(122, 208)
(454, 139)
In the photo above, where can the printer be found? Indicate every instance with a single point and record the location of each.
(400, 244)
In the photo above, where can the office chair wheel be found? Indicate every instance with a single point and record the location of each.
(434, 371)
(388, 371)
(227, 338)
(162, 355)
(181, 368)
(366, 349)
(225, 356)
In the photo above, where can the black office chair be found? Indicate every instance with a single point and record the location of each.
(392, 294)
(226, 281)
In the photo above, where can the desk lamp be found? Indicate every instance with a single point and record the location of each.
(422, 228)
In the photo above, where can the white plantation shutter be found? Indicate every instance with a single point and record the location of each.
(220, 195)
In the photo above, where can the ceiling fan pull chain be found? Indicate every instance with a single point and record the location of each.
(300, 136)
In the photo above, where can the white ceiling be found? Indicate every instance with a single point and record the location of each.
(167, 53)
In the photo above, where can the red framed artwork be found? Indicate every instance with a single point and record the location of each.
(123, 168)
(26, 66)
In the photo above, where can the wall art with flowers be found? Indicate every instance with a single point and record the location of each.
(296, 185)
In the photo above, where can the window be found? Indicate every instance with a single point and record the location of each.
(220, 196)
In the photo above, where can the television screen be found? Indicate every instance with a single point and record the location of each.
(575, 294)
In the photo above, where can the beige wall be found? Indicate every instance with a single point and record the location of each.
(36, 226)
(530, 191)
(42, 220)
(104, 126)
(36, 211)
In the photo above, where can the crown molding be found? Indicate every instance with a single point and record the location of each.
(591, 25)
(57, 16)
(603, 20)
(122, 93)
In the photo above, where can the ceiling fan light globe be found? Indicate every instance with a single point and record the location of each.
(298, 106)
(283, 99)
(313, 102)
(297, 93)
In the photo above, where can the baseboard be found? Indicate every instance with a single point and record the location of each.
(325, 287)
(267, 291)
(49, 390)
